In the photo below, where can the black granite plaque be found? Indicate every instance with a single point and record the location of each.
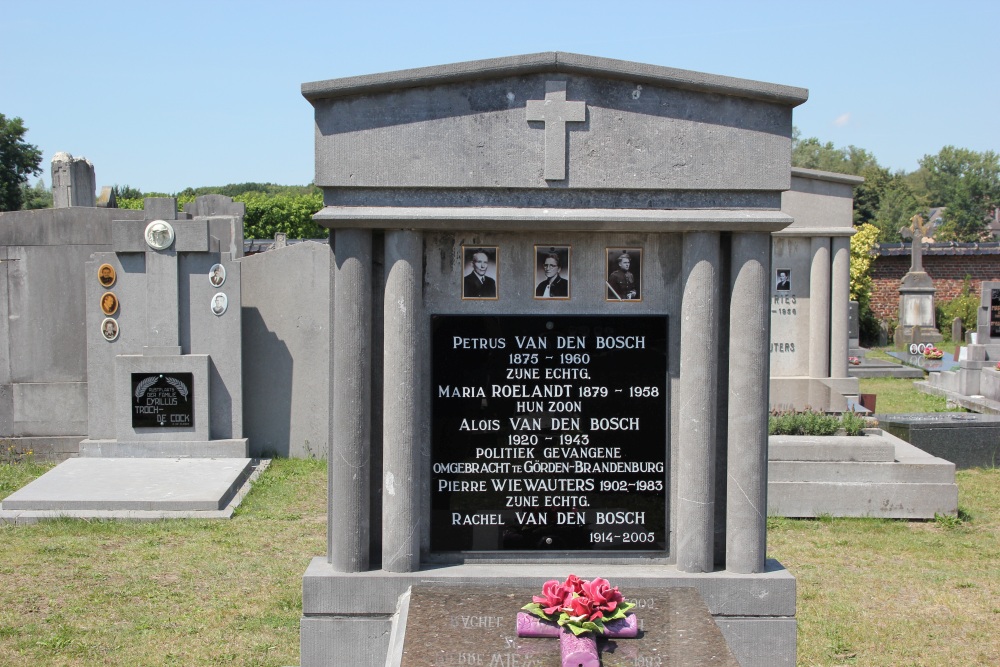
(162, 400)
(994, 313)
(549, 433)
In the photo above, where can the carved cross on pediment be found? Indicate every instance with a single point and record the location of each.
(555, 111)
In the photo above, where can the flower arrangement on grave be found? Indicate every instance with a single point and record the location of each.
(997, 367)
(576, 611)
(931, 352)
(853, 361)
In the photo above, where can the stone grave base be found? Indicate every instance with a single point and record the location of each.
(134, 489)
(237, 448)
(348, 619)
(876, 475)
(445, 625)
(44, 447)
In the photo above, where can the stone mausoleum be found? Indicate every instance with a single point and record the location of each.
(479, 215)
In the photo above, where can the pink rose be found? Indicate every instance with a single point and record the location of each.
(604, 597)
(554, 596)
(574, 584)
(584, 606)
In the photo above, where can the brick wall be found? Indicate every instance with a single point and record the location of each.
(947, 271)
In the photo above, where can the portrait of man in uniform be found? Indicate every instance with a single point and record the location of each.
(623, 277)
(552, 270)
(480, 262)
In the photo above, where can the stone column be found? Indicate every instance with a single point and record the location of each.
(696, 431)
(400, 404)
(819, 308)
(749, 336)
(840, 304)
(350, 428)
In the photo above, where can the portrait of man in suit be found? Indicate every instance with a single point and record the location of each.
(481, 262)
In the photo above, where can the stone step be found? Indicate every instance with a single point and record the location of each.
(103, 487)
(870, 447)
(861, 472)
(860, 499)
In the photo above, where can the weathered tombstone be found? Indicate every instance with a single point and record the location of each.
(504, 432)
(73, 181)
(976, 375)
(916, 291)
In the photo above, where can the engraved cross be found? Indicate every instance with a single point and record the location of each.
(555, 111)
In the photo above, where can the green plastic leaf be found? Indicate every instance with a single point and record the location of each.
(536, 609)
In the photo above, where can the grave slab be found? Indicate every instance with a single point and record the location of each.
(446, 624)
(133, 489)
(967, 440)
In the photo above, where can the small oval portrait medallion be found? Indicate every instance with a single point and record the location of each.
(109, 303)
(109, 329)
(217, 275)
(106, 275)
(220, 302)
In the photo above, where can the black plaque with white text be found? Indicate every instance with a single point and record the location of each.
(162, 400)
(549, 433)
(995, 313)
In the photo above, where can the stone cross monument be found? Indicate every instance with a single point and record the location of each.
(916, 291)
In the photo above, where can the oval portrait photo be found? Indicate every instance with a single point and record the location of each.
(109, 303)
(217, 275)
(220, 302)
(109, 329)
(106, 275)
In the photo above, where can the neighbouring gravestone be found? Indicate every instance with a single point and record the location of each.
(551, 286)
(164, 366)
(73, 181)
(811, 332)
(916, 291)
(977, 375)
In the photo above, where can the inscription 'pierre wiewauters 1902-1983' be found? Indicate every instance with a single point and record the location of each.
(549, 433)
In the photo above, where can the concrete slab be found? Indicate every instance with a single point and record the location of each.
(136, 489)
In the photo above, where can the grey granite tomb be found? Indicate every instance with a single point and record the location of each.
(419, 168)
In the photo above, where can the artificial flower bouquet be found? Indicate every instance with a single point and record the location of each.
(931, 352)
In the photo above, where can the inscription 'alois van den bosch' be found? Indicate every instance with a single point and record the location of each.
(548, 433)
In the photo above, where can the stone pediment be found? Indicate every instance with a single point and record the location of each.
(553, 120)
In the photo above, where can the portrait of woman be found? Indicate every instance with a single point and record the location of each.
(109, 329)
(552, 271)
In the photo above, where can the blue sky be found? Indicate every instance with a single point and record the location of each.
(162, 96)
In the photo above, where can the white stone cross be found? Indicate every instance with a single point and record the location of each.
(555, 111)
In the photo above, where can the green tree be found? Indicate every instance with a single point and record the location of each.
(811, 154)
(18, 160)
(897, 204)
(967, 184)
(35, 197)
(862, 257)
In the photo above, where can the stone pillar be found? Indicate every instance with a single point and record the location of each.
(696, 431)
(401, 525)
(350, 428)
(840, 305)
(73, 181)
(749, 335)
(819, 308)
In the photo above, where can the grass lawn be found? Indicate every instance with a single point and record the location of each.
(81, 593)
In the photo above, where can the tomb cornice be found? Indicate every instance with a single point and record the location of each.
(553, 62)
(800, 232)
(527, 219)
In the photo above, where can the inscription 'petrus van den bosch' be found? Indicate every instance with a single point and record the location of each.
(548, 433)
(162, 400)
